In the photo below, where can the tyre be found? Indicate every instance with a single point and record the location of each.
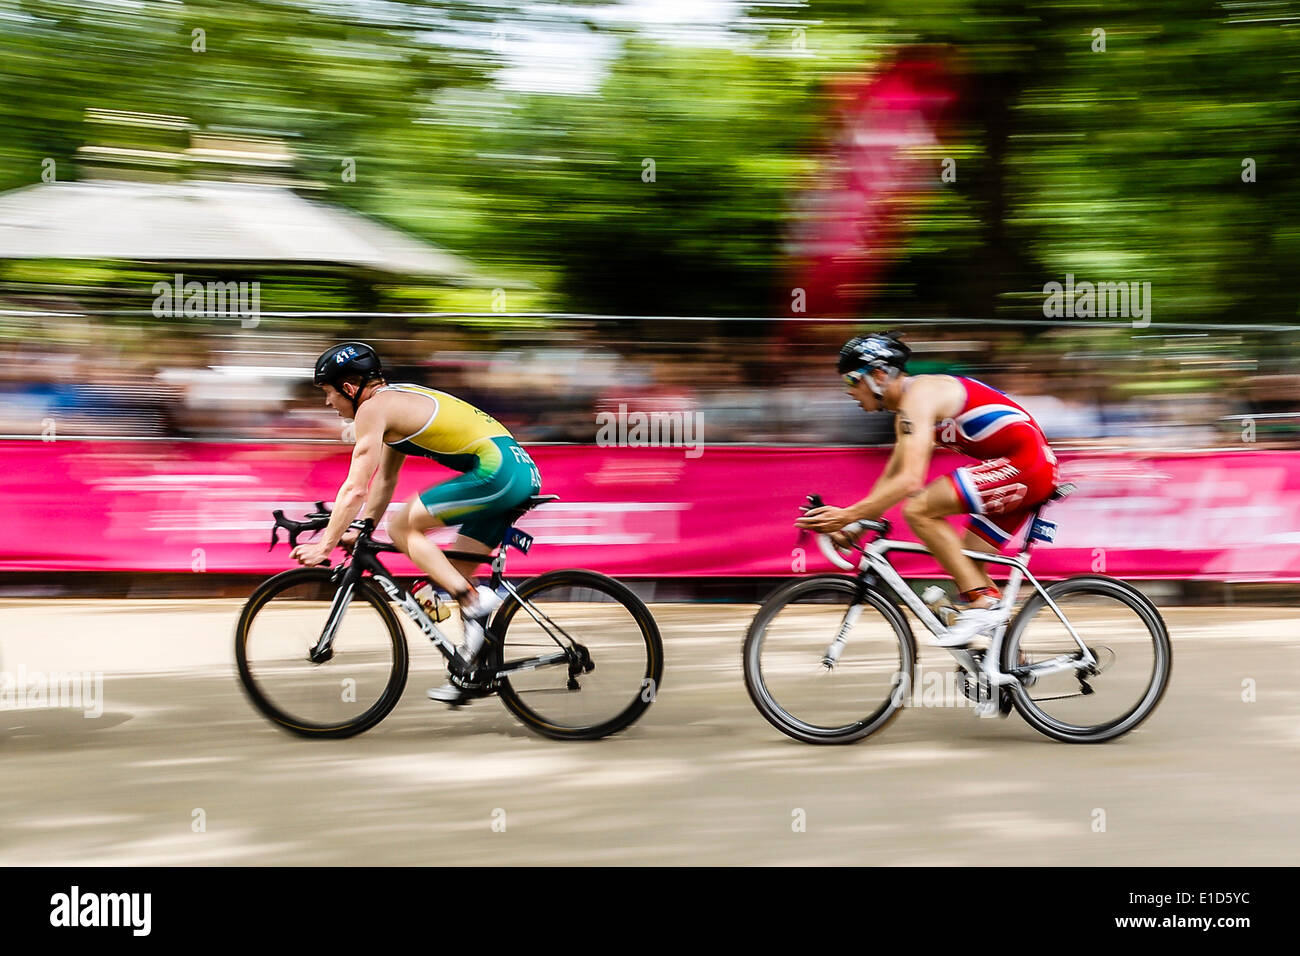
(568, 700)
(1121, 628)
(784, 653)
(348, 693)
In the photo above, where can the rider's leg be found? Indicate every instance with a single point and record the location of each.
(407, 528)
(479, 502)
(476, 501)
(469, 545)
(925, 513)
(973, 542)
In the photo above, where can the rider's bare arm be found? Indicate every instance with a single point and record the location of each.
(381, 489)
(895, 459)
(904, 476)
(365, 460)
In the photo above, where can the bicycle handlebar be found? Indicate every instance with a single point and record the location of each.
(318, 520)
(824, 544)
(833, 556)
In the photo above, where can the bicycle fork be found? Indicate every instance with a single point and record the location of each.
(323, 649)
(836, 647)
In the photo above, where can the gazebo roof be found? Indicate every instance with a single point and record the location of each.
(209, 222)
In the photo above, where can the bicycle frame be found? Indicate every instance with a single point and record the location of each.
(874, 565)
(366, 558)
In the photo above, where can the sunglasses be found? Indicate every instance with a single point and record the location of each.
(852, 378)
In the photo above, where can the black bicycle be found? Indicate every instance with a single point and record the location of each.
(573, 654)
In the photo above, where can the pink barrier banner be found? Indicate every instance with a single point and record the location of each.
(653, 512)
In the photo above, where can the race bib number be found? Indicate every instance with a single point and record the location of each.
(1043, 530)
(517, 539)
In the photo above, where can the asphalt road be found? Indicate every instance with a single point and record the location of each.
(178, 769)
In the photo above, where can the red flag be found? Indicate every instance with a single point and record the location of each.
(849, 224)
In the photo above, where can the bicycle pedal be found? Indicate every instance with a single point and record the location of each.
(462, 670)
(987, 708)
(472, 686)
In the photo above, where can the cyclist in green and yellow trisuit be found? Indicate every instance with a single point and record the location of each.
(393, 421)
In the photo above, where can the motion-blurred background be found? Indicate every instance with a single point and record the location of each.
(558, 209)
(778, 161)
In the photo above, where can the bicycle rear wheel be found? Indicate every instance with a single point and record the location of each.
(585, 618)
(1126, 635)
(345, 695)
(797, 692)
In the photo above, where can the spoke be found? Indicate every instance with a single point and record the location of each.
(545, 691)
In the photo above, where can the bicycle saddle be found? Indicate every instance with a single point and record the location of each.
(529, 505)
(1063, 490)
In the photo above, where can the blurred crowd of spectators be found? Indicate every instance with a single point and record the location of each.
(746, 384)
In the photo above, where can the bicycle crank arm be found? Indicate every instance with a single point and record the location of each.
(999, 678)
(975, 667)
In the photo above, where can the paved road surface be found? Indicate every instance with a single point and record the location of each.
(1209, 779)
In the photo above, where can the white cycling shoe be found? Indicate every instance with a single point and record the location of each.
(971, 623)
(474, 621)
(448, 693)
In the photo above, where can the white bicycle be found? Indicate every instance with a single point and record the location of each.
(832, 659)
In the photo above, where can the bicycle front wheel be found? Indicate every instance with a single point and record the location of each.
(1123, 631)
(353, 690)
(785, 655)
(581, 658)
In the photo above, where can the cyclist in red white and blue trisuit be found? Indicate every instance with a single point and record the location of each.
(1017, 469)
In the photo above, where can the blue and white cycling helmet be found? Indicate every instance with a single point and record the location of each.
(344, 361)
(864, 353)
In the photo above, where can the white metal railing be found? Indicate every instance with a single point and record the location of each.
(1152, 329)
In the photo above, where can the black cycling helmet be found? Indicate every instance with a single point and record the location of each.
(347, 359)
(872, 351)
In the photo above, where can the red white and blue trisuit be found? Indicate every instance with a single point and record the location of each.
(1017, 470)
